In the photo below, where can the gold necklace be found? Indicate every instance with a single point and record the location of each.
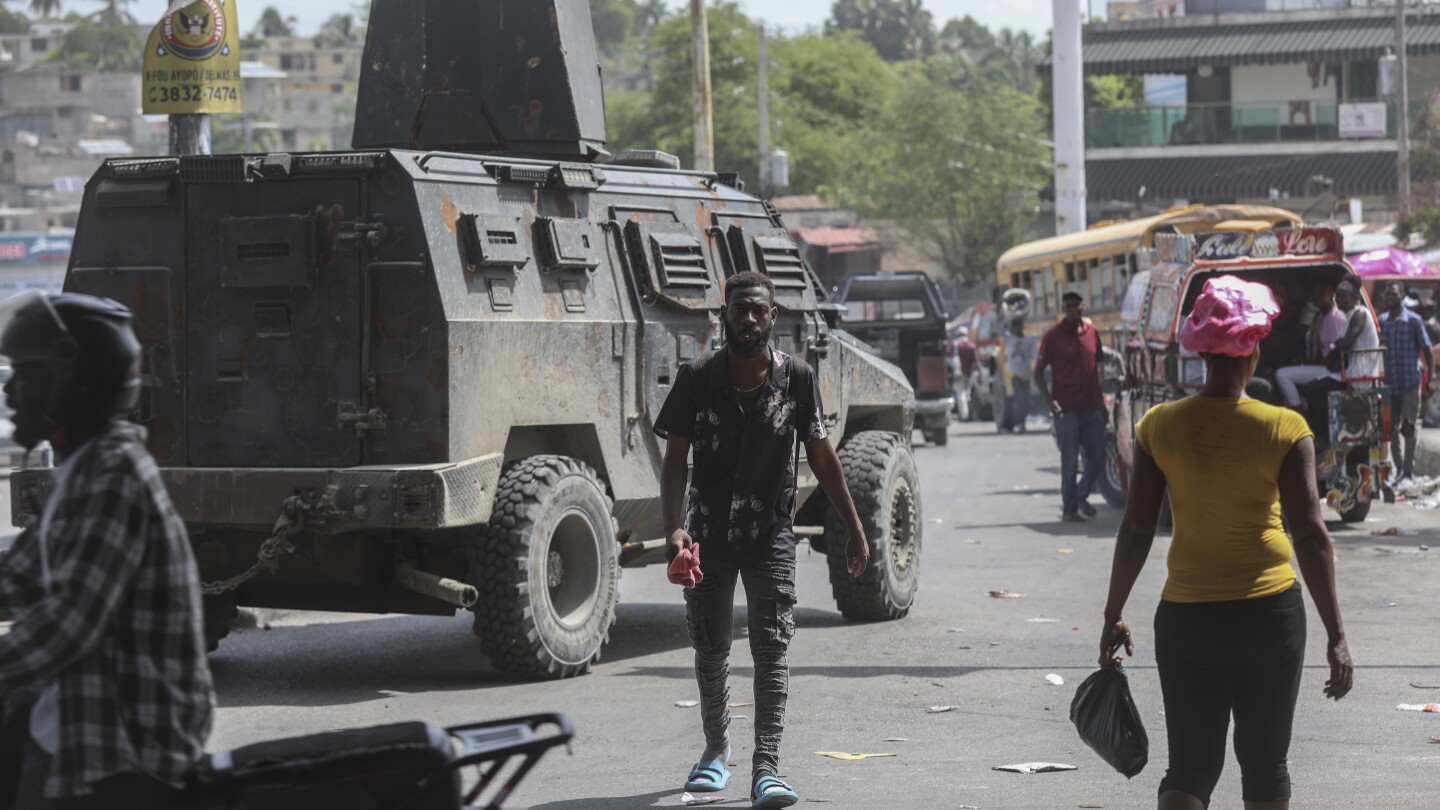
(740, 390)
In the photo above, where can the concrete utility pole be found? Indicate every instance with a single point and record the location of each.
(1067, 71)
(1402, 112)
(189, 134)
(764, 87)
(704, 112)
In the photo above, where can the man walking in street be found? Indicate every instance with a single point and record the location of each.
(1019, 361)
(741, 410)
(107, 695)
(1071, 350)
(1407, 349)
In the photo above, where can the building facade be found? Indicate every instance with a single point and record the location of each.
(1255, 101)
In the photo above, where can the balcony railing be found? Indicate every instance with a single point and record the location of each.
(1274, 122)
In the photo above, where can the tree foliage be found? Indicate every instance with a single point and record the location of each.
(943, 147)
(13, 22)
(107, 42)
(273, 24)
(955, 159)
(340, 31)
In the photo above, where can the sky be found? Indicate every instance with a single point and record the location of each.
(1030, 15)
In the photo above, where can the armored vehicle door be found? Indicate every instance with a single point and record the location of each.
(674, 270)
(272, 312)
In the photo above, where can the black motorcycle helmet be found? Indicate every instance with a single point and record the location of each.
(80, 349)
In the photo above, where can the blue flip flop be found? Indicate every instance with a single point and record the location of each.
(709, 777)
(769, 792)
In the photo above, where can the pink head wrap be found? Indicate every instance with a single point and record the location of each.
(1230, 317)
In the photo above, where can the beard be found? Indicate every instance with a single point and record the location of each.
(752, 349)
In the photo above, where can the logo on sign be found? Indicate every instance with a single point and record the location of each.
(1308, 241)
(1221, 246)
(195, 32)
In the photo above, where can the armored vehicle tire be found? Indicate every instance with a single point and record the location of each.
(220, 613)
(883, 481)
(1114, 477)
(547, 568)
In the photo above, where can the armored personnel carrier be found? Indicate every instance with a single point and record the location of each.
(419, 376)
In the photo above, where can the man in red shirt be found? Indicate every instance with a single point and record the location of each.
(1071, 350)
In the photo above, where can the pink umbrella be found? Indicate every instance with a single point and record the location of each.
(1391, 261)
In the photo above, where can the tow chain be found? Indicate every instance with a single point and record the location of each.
(292, 520)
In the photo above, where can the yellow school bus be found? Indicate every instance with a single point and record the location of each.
(1099, 263)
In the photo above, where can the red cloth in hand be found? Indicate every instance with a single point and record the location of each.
(685, 568)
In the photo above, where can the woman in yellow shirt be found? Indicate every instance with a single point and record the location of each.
(1230, 628)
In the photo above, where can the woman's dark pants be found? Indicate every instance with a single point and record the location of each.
(1218, 658)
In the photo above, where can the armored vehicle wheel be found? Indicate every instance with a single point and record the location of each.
(885, 485)
(220, 613)
(547, 568)
(1115, 476)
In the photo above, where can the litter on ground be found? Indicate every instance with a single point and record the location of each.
(686, 704)
(848, 757)
(939, 709)
(1054, 680)
(1007, 595)
(1419, 707)
(1395, 531)
(1039, 620)
(691, 799)
(1035, 767)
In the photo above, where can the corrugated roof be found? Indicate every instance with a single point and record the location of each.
(1175, 48)
(1240, 177)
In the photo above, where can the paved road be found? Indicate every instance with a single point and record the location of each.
(991, 512)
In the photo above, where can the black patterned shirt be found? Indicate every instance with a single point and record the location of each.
(742, 495)
(118, 630)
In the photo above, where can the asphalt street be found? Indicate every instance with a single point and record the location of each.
(991, 511)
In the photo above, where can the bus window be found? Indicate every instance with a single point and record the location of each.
(1069, 272)
(1091, 291)
(1107, 282)
(1124, 267)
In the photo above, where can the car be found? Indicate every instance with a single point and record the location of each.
(902, 316)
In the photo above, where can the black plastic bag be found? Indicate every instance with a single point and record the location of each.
(1105, 715)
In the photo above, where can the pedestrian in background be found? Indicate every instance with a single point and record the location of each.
(1019, 361)
(741, 410)
(1230, 628)
(1407, 352)
(1071, 350)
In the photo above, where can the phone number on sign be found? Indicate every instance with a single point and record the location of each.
(181, 93)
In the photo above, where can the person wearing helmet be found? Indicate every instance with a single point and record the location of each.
(108, 699)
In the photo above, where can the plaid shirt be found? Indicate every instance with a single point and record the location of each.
(119, 631)
(1404, 337)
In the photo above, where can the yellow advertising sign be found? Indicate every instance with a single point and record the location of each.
(192, 61)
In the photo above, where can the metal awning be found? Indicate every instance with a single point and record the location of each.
(1260, 40)
(1250, 177)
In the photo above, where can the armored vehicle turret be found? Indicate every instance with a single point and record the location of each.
(436, 358)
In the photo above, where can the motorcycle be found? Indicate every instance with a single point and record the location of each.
(401, 766)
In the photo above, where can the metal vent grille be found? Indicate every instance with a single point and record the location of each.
(680, 259)
(208, 169)
(779, 258)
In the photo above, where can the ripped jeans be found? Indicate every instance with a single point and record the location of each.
(770, 607)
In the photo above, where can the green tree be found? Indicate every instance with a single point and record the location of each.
(952, 158)
(13, 22)
(273, 24)
(614, 21)
(107, 42)
(971, 32)
(898, 29)
(339, 31)
(45, 8)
